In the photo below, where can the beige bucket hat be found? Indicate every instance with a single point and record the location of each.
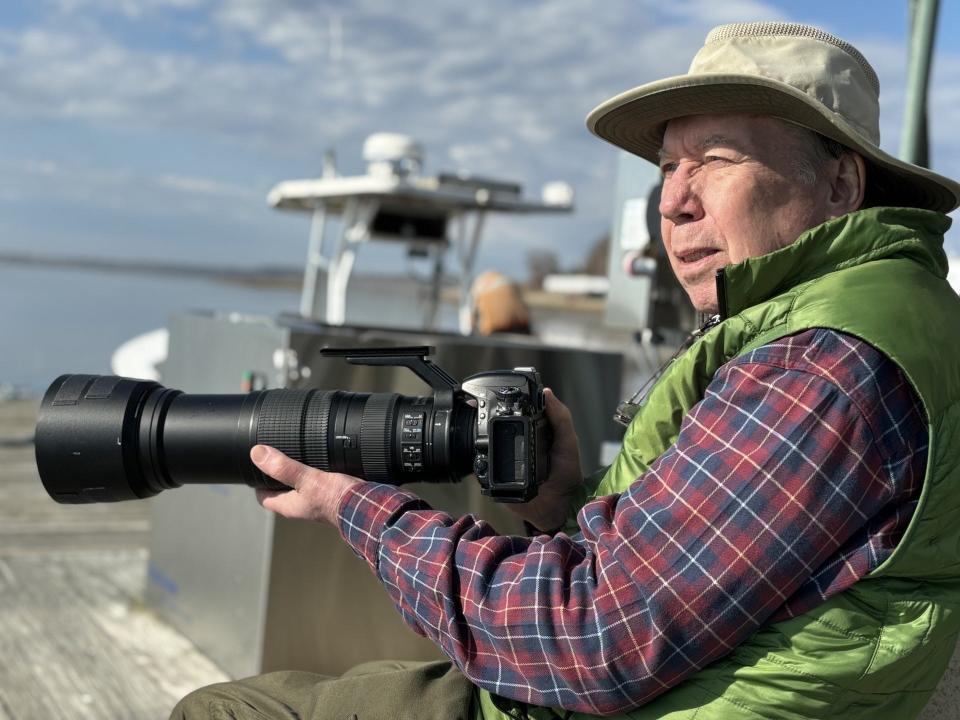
(795, 72)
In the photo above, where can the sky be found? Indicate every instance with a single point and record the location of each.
(155, 128)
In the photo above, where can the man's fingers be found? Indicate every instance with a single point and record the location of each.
(558, 414)
(317, 493)
(286, 503)
(279, 466)
(265, 497)
(554, 407)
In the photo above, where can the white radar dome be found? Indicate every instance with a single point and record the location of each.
(392, 153)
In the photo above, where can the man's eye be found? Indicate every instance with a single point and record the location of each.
(718, 159)
(666, 169)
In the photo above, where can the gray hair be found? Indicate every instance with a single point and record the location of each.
(813, 151)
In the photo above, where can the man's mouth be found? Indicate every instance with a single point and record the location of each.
(688, 258)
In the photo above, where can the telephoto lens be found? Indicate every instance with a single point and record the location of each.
(103, 438)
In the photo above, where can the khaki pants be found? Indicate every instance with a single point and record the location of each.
(372, 691)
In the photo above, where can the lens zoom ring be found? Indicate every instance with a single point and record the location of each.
(280, 424)
(376, 436)
(316, 426)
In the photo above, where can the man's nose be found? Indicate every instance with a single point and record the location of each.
(679, 199)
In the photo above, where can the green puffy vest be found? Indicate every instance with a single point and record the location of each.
(878, 649)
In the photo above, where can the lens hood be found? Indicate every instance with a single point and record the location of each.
(86, 439)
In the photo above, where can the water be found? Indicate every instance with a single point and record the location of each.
(56, 321)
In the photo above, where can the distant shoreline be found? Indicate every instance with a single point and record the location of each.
(266, 277)
(276, 278)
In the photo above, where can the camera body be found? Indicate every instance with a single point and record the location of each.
(512, 434)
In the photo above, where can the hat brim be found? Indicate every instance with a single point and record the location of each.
(635, 121)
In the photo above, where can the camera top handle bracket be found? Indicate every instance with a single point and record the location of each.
(414, 358)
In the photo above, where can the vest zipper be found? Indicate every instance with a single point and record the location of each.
(721, 280)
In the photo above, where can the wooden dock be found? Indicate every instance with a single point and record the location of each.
(76, 641)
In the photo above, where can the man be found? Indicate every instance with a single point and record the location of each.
(776, 538)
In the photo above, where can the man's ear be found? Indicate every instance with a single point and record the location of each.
(848, 184)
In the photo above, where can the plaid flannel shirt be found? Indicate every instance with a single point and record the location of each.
(795, 476)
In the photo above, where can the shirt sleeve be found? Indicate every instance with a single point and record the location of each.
(773, 474)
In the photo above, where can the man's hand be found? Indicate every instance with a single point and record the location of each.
(548, 510)
(314, 494)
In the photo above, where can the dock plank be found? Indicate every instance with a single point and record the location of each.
(76, 641)
(79, 644)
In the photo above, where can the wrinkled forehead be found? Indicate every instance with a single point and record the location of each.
(747, 133)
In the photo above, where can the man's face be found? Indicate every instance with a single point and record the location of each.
(732, 190)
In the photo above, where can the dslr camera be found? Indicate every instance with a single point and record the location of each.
(103, 438)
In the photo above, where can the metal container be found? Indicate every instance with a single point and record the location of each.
(257, 592)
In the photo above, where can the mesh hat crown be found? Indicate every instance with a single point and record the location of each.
(795, 72)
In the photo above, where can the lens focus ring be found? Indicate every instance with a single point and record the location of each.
(280, 424)
(316, 451)
(376, 436)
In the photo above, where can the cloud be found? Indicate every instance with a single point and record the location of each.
(129, 8)
(945, 113)
(203, 186)
(46, 180)
(497, 88)
(707, 14)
